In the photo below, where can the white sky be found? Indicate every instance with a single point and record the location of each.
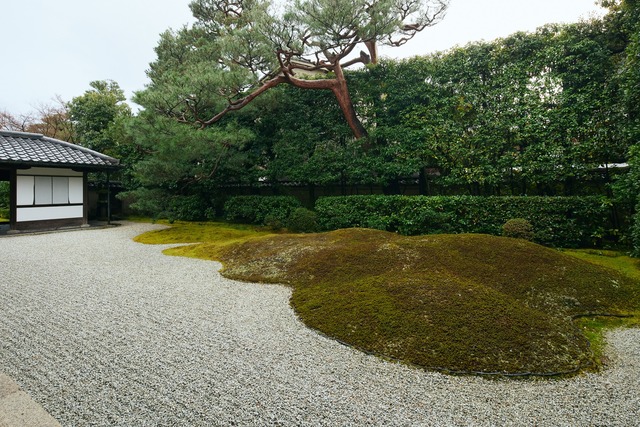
(56, 47)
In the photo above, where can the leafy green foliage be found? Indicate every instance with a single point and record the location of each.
(300, 146)
(4, 200)
(99, 119)
(238, 50)
(530, 114)
(4, 194)
(518, 228)
(557, 221)
(260, 209)
(530, 110)
(624, 26)
(303, 220)
(533, 113)
(183, 164)
(96, 115)
(627, 194)
(188, 208)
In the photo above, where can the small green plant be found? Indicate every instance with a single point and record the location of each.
(303, 220)
(518, 228)
(4, 200)
(4, 195)
(273, 222)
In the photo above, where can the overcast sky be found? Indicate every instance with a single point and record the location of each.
(56, 47)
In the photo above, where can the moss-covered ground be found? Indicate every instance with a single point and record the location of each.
(593, 326)
(456, 303)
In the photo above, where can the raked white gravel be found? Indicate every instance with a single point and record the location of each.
(103, 331)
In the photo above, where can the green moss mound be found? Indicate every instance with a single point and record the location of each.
(459, 303)
(199, 232)
(456, 303)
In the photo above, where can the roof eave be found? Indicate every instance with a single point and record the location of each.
(75, 166)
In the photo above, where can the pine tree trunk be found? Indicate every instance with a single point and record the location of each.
(341, 92)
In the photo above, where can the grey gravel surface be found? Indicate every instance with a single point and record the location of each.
(101, 330)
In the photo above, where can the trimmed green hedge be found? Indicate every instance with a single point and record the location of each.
(557, 221)
(263, 210)
(187, 208)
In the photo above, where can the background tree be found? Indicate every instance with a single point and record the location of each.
(95, 113)
(533, 113)
(623, 27)
(49, 119)
(538, 111)
(239, 49)
(54, 121)
(12, 122)
(183, 169)
(302, 148)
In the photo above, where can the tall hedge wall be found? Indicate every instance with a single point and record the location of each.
(557, 221)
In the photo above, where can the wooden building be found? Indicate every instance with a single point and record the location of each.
(48, 180)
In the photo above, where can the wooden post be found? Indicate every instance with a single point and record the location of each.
(13, 198)
(108, 200)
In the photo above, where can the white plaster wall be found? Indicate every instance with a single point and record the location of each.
(48, 212)
(25, 190)
(76, 190)
(38, 188)
(43, 189)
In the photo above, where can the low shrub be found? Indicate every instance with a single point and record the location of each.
(157, 204)
(518, 228)
(187, 208)
(260, 209)
(273, 222)
(557, 221)
(4, 194)
(146, 202)
(303, 220)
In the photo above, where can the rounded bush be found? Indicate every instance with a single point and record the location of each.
(273, 222)
(186, 208)
(303, 220)
(518, 228)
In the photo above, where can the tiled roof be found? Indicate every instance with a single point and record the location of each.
(39, 150)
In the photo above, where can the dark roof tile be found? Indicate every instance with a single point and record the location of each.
(31, 148)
